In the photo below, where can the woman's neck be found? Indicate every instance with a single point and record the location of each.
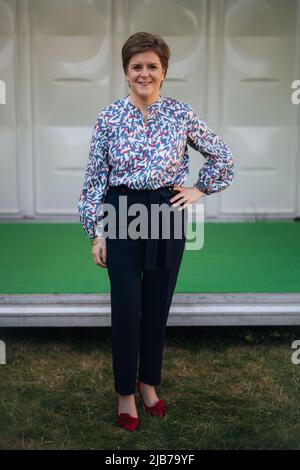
(140, 103)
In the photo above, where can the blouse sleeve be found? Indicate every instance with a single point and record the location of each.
(95, 179)
(217, 173)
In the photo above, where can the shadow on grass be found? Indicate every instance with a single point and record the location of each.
(216, 335)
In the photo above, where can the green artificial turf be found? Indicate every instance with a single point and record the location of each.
(236, 257)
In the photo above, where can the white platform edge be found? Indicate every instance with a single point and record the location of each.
(196, 309)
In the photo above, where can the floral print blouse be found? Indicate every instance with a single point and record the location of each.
(126, 150)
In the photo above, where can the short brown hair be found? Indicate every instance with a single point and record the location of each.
(141, 42)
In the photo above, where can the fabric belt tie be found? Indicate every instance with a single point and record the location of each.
(160, 245)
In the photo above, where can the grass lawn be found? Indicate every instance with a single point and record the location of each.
(225, 388)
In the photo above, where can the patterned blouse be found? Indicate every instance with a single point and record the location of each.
(125, 150)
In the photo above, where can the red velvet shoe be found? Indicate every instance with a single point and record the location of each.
(128, 422)
(159, 409)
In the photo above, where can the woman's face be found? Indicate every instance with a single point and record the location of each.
(145, 74)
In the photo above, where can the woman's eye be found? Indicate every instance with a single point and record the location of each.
(138, 67)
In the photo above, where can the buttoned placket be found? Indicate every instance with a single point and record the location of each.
(146, 130)
(153, 110)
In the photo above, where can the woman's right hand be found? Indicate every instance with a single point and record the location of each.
(99, 252)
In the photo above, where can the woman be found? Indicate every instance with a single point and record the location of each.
(139, 151)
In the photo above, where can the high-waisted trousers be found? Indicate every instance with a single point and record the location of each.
(143, 275)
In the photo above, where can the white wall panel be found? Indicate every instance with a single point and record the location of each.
(8, 158)
(71, 45)
(259, 66)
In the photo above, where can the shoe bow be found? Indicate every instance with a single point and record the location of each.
(159, 408)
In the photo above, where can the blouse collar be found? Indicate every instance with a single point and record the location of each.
(155, 105)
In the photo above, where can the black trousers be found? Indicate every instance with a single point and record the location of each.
(142, 283)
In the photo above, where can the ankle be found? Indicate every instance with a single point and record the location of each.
(147, 386)
(126, 397)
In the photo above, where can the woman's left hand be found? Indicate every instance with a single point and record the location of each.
(186, 196)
